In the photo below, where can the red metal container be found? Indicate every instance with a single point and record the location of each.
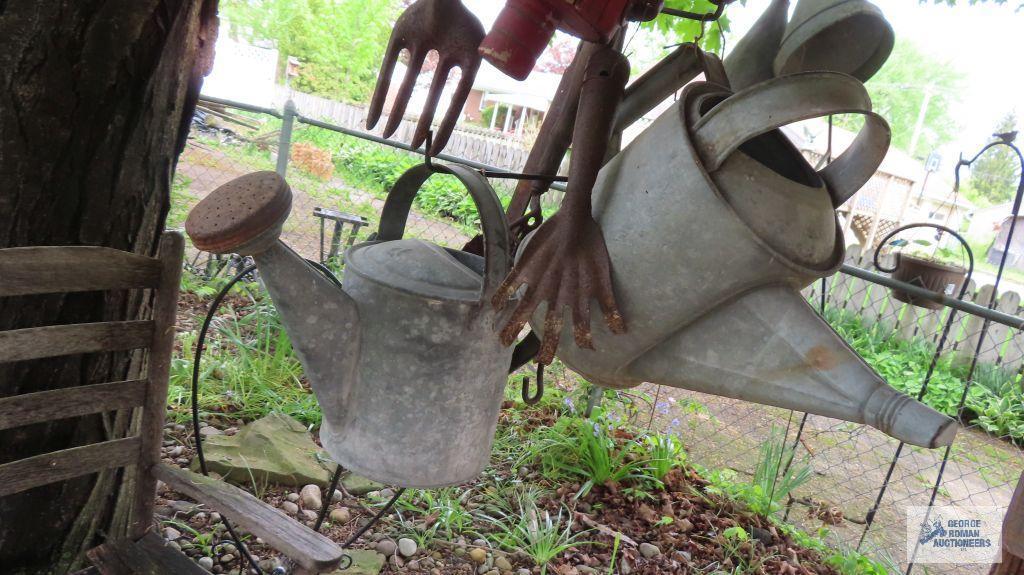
(524, 28)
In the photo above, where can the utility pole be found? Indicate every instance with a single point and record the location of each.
(919, 126)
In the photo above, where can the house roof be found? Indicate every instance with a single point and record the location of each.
(536, 92)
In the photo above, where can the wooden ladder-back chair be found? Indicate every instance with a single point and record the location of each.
(1013, 536)
(41, 270)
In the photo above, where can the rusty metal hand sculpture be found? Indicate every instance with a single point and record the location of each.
(566, 263)
(455, 33)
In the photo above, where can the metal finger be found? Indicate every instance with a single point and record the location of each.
(581, 315)
(405, 92)
(605, 293)
(387, 68)
(427, 115)
(451, 117)
(553, 322)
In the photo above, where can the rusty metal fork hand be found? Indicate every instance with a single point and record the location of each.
(444, 26)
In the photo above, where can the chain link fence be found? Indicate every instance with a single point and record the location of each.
(862, 479)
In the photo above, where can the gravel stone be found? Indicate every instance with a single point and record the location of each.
(407, 547)
(311, 496)
(340, 515)
(290, 508)
(386, 547)
(649, 550)
(478, 555)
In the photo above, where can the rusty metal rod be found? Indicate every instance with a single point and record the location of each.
(948, 301)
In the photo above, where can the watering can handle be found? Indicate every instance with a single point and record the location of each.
(781, 101)
(497, 256)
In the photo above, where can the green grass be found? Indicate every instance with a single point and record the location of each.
(995, 402)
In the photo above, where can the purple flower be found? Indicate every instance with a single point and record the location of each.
(568, 403)
(662, 407)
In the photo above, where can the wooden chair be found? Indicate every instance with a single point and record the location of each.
(38, 270)
(1013, 536)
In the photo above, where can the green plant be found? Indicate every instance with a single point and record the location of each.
(584, 449)
(664, 453)
(534, 532)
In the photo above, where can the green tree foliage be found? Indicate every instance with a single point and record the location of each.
(339, 42)
(898, 92)
(995, 175)
(676, 30)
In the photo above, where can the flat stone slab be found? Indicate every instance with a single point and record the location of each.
(364, 562)
(357, 485)
(273, 450)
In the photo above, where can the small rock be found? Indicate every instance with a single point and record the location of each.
(685, 556)
(483, 569)
(174, 545)
(218, 569)
(228, 549)
(179, 427)
(311, 497)
(502, 564)
(478, 555)
(523, 571)
(215, 517)
(227, 558)
(493, 572)
(176, 451)
(293, 497)
(624, 567)
(290, 508)
(267, 565)
(199, 518)
(386, 547)
(481, 543)
(337, 495)
(649, 550)
(587, 570)
(171, 533)
(231, 431)
(206, 563)
(309, 515)
(413, 565)
(208, 431)
(387, 493)
(341, 515)
(407, 547)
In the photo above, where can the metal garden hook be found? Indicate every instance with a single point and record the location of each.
(536, 397)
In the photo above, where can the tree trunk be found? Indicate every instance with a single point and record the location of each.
(95, 102)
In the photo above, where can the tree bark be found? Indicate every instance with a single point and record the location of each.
(95, 102)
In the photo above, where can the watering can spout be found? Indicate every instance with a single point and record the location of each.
(245, 216)
(769, 346)
(322, 322)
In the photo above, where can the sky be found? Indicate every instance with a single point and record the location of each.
(984, 41)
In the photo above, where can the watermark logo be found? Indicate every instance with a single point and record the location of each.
(950, 534)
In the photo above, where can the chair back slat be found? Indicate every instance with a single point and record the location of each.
(48, 468)
(65, 269)
(1013, 527)
(55, 340)
(29, 408)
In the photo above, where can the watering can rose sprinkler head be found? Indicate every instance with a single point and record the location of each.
(403, 358)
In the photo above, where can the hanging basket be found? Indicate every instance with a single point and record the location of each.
(929, 274)
(948, 279)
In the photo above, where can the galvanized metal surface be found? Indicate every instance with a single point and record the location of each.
(849, 36)
(566, 263)
(709, 290)
(450, 29)
(404, 362)
(752, 60)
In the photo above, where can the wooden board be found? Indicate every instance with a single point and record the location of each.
(1013, 525)
(31, 408)
(35, 270)
(49, 468)
(300, 543)
(54, 340)
(150, 555)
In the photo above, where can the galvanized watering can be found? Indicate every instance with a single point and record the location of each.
(404, 360)
(714, 222)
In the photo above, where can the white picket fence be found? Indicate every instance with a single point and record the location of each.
(504, 151)
(875, 305)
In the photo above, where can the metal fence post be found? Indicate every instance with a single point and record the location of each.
(284, 142)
